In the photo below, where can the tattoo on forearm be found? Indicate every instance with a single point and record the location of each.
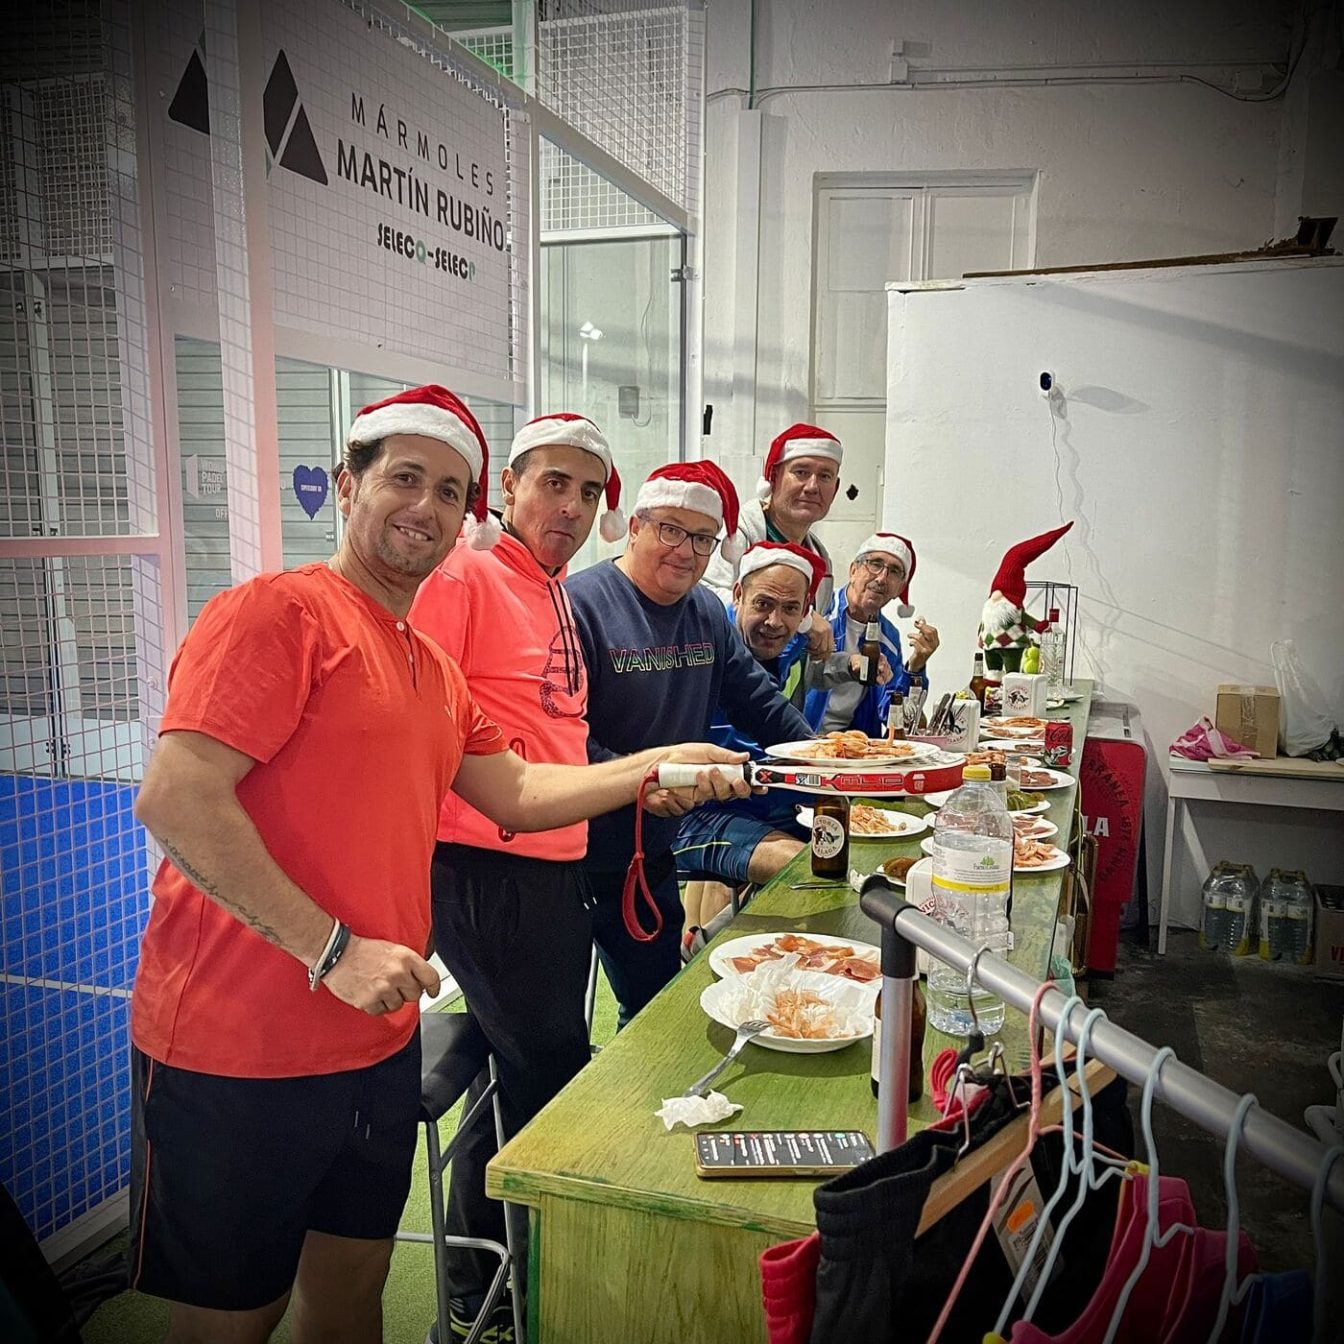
(198, 879)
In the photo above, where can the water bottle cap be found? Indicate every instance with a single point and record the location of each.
(976, 772)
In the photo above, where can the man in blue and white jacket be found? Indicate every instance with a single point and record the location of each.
(880, 571)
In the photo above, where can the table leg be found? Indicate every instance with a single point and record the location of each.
(1172, 818)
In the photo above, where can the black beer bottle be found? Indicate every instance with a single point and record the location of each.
(870, 650)
(830, 836)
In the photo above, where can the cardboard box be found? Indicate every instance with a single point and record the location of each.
(1329, 932)
(1249, 715)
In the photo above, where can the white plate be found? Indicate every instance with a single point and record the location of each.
(1043, 829)
(721, 958)
(712, 998)
(797, 751)
(907, 825)
(936, 800)
(1065, 697)
(1061, 780)
(1018, 746)
(1061, 860)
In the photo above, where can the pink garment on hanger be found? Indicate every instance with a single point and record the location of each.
(1192, 1306)
(1151, 1294)
(789, 1289)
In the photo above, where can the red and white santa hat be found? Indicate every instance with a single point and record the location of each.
(763, 554)
(437, 414)
(568, 430)
(701, 487)
(899, 548)
(797, 441)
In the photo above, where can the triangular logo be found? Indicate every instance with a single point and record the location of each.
(191, 103)
(282, 112)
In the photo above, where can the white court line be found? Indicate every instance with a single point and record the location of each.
(30, 983)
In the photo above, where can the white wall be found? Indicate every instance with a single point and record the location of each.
(1199, 444)
(1127, 170)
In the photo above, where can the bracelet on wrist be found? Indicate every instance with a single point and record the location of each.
(337, 942)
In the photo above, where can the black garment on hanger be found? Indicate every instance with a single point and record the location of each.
(874, 1274)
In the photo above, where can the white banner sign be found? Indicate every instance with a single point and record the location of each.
(388, 196)
(389, 219)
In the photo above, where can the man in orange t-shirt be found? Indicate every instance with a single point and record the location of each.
(309, 737)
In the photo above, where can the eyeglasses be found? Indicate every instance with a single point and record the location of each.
(878, 567)
(672, 536)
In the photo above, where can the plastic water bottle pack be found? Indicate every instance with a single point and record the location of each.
(1286, 907)
(1228, 920)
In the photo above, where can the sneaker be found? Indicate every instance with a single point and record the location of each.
(498, 1328)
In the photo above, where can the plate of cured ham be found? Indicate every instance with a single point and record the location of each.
(1015, 725)
(817, 952)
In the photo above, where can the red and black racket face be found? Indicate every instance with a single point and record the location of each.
(859, 783)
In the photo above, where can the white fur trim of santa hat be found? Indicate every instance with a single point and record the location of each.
(434, 422)
(662, 493)
(797, 441)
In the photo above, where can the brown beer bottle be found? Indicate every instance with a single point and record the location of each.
(870, 650)
(977, 686)
(896, 718)
(917, 1021)
(830, 835)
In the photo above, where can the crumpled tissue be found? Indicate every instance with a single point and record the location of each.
(692, 1111)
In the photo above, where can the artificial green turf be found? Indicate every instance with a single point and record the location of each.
(408, 1301)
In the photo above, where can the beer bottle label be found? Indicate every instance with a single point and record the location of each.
(828, 837)
(864, 667)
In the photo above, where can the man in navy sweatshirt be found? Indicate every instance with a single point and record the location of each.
(661, 654)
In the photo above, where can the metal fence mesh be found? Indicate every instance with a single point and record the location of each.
(81, 634)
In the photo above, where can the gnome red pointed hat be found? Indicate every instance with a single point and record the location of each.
(436, 413)
(701, 487)
(899, 547)
(798, 440)
(576, 431)
(1011, 578)
(766, 553)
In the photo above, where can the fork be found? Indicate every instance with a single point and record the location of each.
(749, 1030)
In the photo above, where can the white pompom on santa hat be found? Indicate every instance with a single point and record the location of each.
(700, 487)
(900, 549)
(763, 554)
(566, 430)
(436, 413)
(798, 440)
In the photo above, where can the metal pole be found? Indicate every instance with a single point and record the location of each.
(899, 969)
(1295, 1155)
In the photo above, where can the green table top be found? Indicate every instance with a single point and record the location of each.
(599, 1140)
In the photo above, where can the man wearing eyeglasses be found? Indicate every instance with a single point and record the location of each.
(795, 492)
(661, 655)
(880, 572)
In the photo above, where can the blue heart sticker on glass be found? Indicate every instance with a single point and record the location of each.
(310, 487)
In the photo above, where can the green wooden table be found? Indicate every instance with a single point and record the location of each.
(627, 1243)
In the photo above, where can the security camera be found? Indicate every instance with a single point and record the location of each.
(1047, 382)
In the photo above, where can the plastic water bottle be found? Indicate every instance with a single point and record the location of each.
(972, 882)
(1242, 888)
(1213, 915)
(1052, 657)
(1285, 917)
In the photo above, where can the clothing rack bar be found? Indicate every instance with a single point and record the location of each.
(1292, 1153)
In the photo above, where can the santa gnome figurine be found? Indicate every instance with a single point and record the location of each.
(1005, 628)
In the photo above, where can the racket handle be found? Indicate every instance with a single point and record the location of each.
(679, 775)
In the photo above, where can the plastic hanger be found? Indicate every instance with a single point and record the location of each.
(1033, 1132)
(1088, 1179)
(1066, 1166)
(1152, 1237)
(1232, 1293)
(1319, 1304)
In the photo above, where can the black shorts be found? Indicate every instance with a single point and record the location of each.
(229, 1174)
